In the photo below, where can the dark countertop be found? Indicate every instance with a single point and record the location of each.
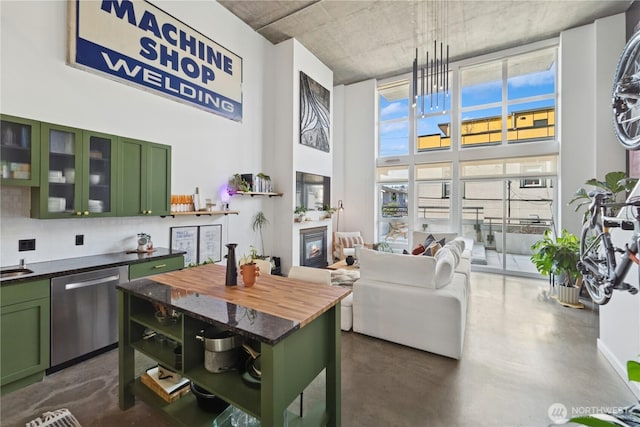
(241, 320)
(63, 267)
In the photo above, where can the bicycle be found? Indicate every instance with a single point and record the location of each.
(601, 273)
(626, 95)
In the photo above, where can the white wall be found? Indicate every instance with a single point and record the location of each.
(588, 147)
(360, 136)
(207, 149)
(289, 58)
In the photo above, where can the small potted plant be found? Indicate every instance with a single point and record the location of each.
(300, 212)
(249, 270)
(328, 211)
(260, 221)
(560, 257)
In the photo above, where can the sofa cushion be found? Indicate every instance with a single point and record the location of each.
(415, 271)
(445, 266)
(455, 251)
(351, 241)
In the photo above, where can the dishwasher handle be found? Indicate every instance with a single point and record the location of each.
(76, 285)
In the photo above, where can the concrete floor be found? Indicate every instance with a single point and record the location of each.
(522, 354)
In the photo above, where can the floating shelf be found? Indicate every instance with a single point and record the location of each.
(198, 213)
(256, 193)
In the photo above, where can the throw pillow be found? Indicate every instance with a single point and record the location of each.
(432, 249)
(455, 251)
(429, 240)
(350, 242)
(418, 250)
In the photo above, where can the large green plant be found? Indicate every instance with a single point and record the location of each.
(558, 256)
(616, 182)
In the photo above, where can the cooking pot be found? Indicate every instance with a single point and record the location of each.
(221, 349)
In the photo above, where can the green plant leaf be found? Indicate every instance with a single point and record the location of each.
(633, 370)
(593, 422)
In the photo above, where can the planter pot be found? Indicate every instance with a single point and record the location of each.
(249, 273)
(568, 294)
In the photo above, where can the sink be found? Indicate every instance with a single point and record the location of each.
(13, 272)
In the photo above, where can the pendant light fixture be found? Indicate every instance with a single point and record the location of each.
(431, 72)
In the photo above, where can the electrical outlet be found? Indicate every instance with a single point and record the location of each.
(79, 239)
(26, 245)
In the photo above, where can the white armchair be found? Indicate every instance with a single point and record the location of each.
(345, 242)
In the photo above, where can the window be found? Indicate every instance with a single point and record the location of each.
(393, 130)
(527, 114)
(498, 100)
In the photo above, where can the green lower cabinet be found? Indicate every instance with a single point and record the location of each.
(24, 334)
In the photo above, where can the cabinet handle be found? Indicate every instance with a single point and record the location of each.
(78, 213)
(86, 213)
(144, 212)
(160, 266)
(149, 212)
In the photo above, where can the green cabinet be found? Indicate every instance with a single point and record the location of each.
(78, 176)
(157, 266)
(19, 151)
(145, 178)
(24, 333)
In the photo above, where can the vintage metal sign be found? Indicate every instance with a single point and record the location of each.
(136, 42)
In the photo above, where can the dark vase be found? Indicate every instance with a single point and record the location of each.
(232, 270)
(350, 260)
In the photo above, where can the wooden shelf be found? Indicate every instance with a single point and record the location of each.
(198, 213)
(256, 193)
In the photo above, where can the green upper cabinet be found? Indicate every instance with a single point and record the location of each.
(145, 178)
(78, 176)
(19, 151)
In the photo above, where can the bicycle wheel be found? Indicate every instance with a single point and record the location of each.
(593, 263)
(626, 95)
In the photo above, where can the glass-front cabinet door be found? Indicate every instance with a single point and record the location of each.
(77, 178)
(19, 151)
(100, 174)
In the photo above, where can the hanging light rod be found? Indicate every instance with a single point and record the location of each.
(431, 77)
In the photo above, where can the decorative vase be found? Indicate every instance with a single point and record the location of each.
(232, 271)
(249, 273)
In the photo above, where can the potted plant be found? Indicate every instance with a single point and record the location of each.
(260, 221)
(300, 212)
(328, 211)
(248, 270)
(616, 182)
(560, 257)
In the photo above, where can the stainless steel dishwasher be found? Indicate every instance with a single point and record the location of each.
(84, 314)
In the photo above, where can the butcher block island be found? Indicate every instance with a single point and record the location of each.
(295, 326)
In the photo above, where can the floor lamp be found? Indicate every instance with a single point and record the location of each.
(340, 209)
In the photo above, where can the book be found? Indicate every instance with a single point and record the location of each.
(168, 389)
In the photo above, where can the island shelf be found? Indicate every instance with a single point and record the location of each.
(286, 332)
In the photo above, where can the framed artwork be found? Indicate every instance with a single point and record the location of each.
(314, 113)
(185, 239)
(210, 243)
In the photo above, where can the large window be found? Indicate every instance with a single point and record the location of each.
(393, 130)
(528, 112)
(449, 172)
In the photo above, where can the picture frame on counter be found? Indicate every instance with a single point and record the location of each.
(185, 238)
(210, 243)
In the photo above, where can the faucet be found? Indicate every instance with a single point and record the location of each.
(22, 264)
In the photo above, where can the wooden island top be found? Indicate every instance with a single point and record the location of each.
(268, 311)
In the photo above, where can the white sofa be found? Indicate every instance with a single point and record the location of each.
(415, 300)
